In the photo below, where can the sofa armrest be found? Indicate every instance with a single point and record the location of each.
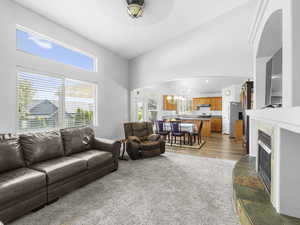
(108, 146)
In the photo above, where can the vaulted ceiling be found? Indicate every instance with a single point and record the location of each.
(106, 21)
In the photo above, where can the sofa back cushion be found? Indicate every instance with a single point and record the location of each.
(41, 147)
(11, 156)
(77, 139)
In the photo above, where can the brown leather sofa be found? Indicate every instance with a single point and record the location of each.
(37, 169)
(141, 142)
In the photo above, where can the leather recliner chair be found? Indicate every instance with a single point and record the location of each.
(141, 142)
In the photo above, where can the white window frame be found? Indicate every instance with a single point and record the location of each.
(61, 123)
(67, 46)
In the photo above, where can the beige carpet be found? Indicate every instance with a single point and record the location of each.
(172, 189)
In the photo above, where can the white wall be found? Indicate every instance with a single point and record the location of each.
(112, 75)
(218, 48)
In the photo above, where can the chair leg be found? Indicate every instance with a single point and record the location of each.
(198, 140)
(180, 141)
(175, 140)
(184, 139)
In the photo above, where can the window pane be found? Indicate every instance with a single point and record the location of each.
(80, 103)
(37, 46)
(39, 100)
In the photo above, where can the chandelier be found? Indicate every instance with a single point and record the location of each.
(135, 8)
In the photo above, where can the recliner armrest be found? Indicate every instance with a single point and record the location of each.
(107, 146)
(153, 137)
(134, 139)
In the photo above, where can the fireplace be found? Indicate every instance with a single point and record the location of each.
(264, 158)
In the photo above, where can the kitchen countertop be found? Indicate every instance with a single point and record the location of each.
(199, 118)
(194, 117)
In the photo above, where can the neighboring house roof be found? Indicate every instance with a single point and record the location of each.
(43, 108)
(47, 107)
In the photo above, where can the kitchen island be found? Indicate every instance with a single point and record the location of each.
(206, 129)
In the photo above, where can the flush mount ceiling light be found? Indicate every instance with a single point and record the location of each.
(135, 8)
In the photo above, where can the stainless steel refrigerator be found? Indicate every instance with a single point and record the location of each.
(235, 113)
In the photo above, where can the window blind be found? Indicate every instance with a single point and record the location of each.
(48, 102)
(80, 103)
(39, 101)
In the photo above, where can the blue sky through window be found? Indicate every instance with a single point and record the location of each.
(50, 50)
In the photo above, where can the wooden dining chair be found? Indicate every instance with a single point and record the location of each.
(198, 134)
(176, 132)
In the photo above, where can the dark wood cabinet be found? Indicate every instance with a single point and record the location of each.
(247, 104)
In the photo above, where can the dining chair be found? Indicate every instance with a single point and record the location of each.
(198, 134)
(160, 129)
(176, 132)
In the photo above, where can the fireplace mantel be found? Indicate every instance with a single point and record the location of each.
(286, 118)
(283, 124)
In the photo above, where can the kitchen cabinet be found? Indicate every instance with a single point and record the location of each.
(206, 129)
(218, 104)
(216, 124)
(169, 105)
(215, 102)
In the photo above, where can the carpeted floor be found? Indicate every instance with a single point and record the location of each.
(173, 189)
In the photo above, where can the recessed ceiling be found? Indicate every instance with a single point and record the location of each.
(195, 86)
(107, 22)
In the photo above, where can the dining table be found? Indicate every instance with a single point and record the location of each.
(185, 127)
(188, 128)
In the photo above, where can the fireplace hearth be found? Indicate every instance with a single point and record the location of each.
(264, 158)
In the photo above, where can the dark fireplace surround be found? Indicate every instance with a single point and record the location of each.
(265, 158)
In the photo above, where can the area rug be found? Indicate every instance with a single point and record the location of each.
(176, 146)
(172, 189)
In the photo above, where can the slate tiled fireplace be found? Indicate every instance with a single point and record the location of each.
(275, 142)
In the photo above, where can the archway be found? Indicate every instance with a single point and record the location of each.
(270, 46)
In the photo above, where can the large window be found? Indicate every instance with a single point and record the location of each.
(79, 103)
(38, 45)
(46, 102)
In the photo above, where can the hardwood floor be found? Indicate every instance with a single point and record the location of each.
(216, 146)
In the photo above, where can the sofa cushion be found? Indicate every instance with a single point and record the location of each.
(41, 147)
(19, 182)
(150, 145)
(60, 168)
(77, 139)
(11, 156)
(95, 158)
